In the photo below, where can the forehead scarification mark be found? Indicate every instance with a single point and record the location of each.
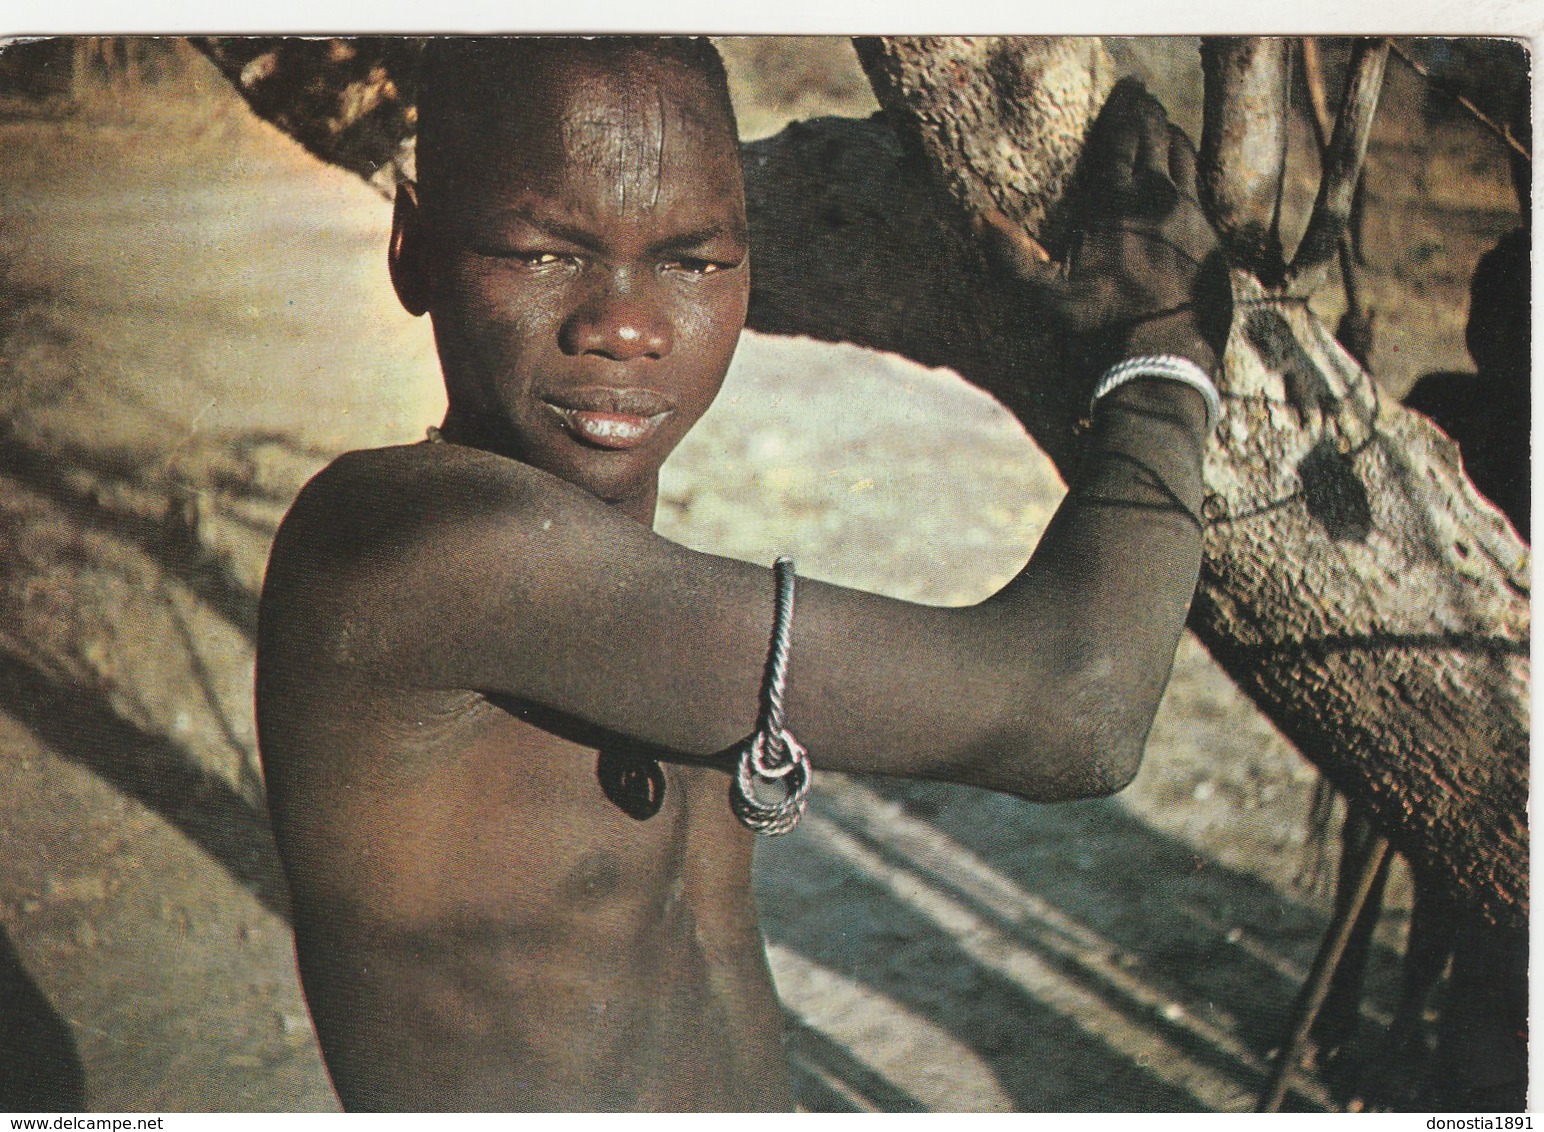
(649, 111)
(649, 125)
(636, 136)
(659, 162)
(500, 85)
(619, 136)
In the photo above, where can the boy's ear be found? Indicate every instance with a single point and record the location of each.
(406, 255)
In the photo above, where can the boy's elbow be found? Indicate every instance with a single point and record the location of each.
(1091, 747)
(1103, 752)
(1107, 714)
(1114, 766)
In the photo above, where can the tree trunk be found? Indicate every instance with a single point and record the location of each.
(1354, 584)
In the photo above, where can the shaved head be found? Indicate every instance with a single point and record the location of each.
(473, 88)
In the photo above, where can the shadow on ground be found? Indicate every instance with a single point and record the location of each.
(1088, 961)
(40, 1067)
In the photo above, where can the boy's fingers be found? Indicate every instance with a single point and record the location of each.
(1115, 141)
(1153, 153)
(1128, 155)
(1154, 193)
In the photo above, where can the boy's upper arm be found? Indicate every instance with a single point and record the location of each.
(449, 568)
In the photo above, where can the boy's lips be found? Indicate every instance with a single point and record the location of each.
(609, 418)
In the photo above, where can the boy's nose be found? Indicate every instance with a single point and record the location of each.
(622, 321)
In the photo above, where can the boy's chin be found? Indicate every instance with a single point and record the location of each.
(617, 479)
(626, 477)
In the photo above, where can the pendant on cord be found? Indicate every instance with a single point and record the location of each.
(634, 783)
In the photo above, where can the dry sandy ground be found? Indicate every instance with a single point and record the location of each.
(182, 285)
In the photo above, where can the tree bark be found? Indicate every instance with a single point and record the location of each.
(1354, 584)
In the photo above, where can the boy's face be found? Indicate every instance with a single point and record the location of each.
(586, 269)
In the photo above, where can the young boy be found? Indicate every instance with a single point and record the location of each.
(497, 711)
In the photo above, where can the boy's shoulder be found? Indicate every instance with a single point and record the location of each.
(378, 503)
(410, 468)
(422, 482)
(377, 529)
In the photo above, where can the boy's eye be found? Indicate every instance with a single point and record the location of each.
(694, 266)
(543, 259)
(524, 255)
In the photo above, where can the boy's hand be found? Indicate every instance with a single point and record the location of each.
(1144, 273)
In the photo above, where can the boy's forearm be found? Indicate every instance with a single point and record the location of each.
(1110, 584)
(1145, 446)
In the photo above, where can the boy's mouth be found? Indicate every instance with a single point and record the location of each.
(609, 418)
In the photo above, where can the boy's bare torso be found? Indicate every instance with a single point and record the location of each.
(486, 927)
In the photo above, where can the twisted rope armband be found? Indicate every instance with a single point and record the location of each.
(1165, 367)
(770, 756)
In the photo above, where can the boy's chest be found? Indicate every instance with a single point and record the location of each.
(477, 811)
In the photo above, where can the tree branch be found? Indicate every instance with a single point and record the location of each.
(1500, 129)
(1355, 329)
(1243, 149)
(1342, 167)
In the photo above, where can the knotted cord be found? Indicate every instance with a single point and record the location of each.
(771, 756)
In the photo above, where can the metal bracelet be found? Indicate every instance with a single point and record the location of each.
(1164, 367)
(770, 756)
